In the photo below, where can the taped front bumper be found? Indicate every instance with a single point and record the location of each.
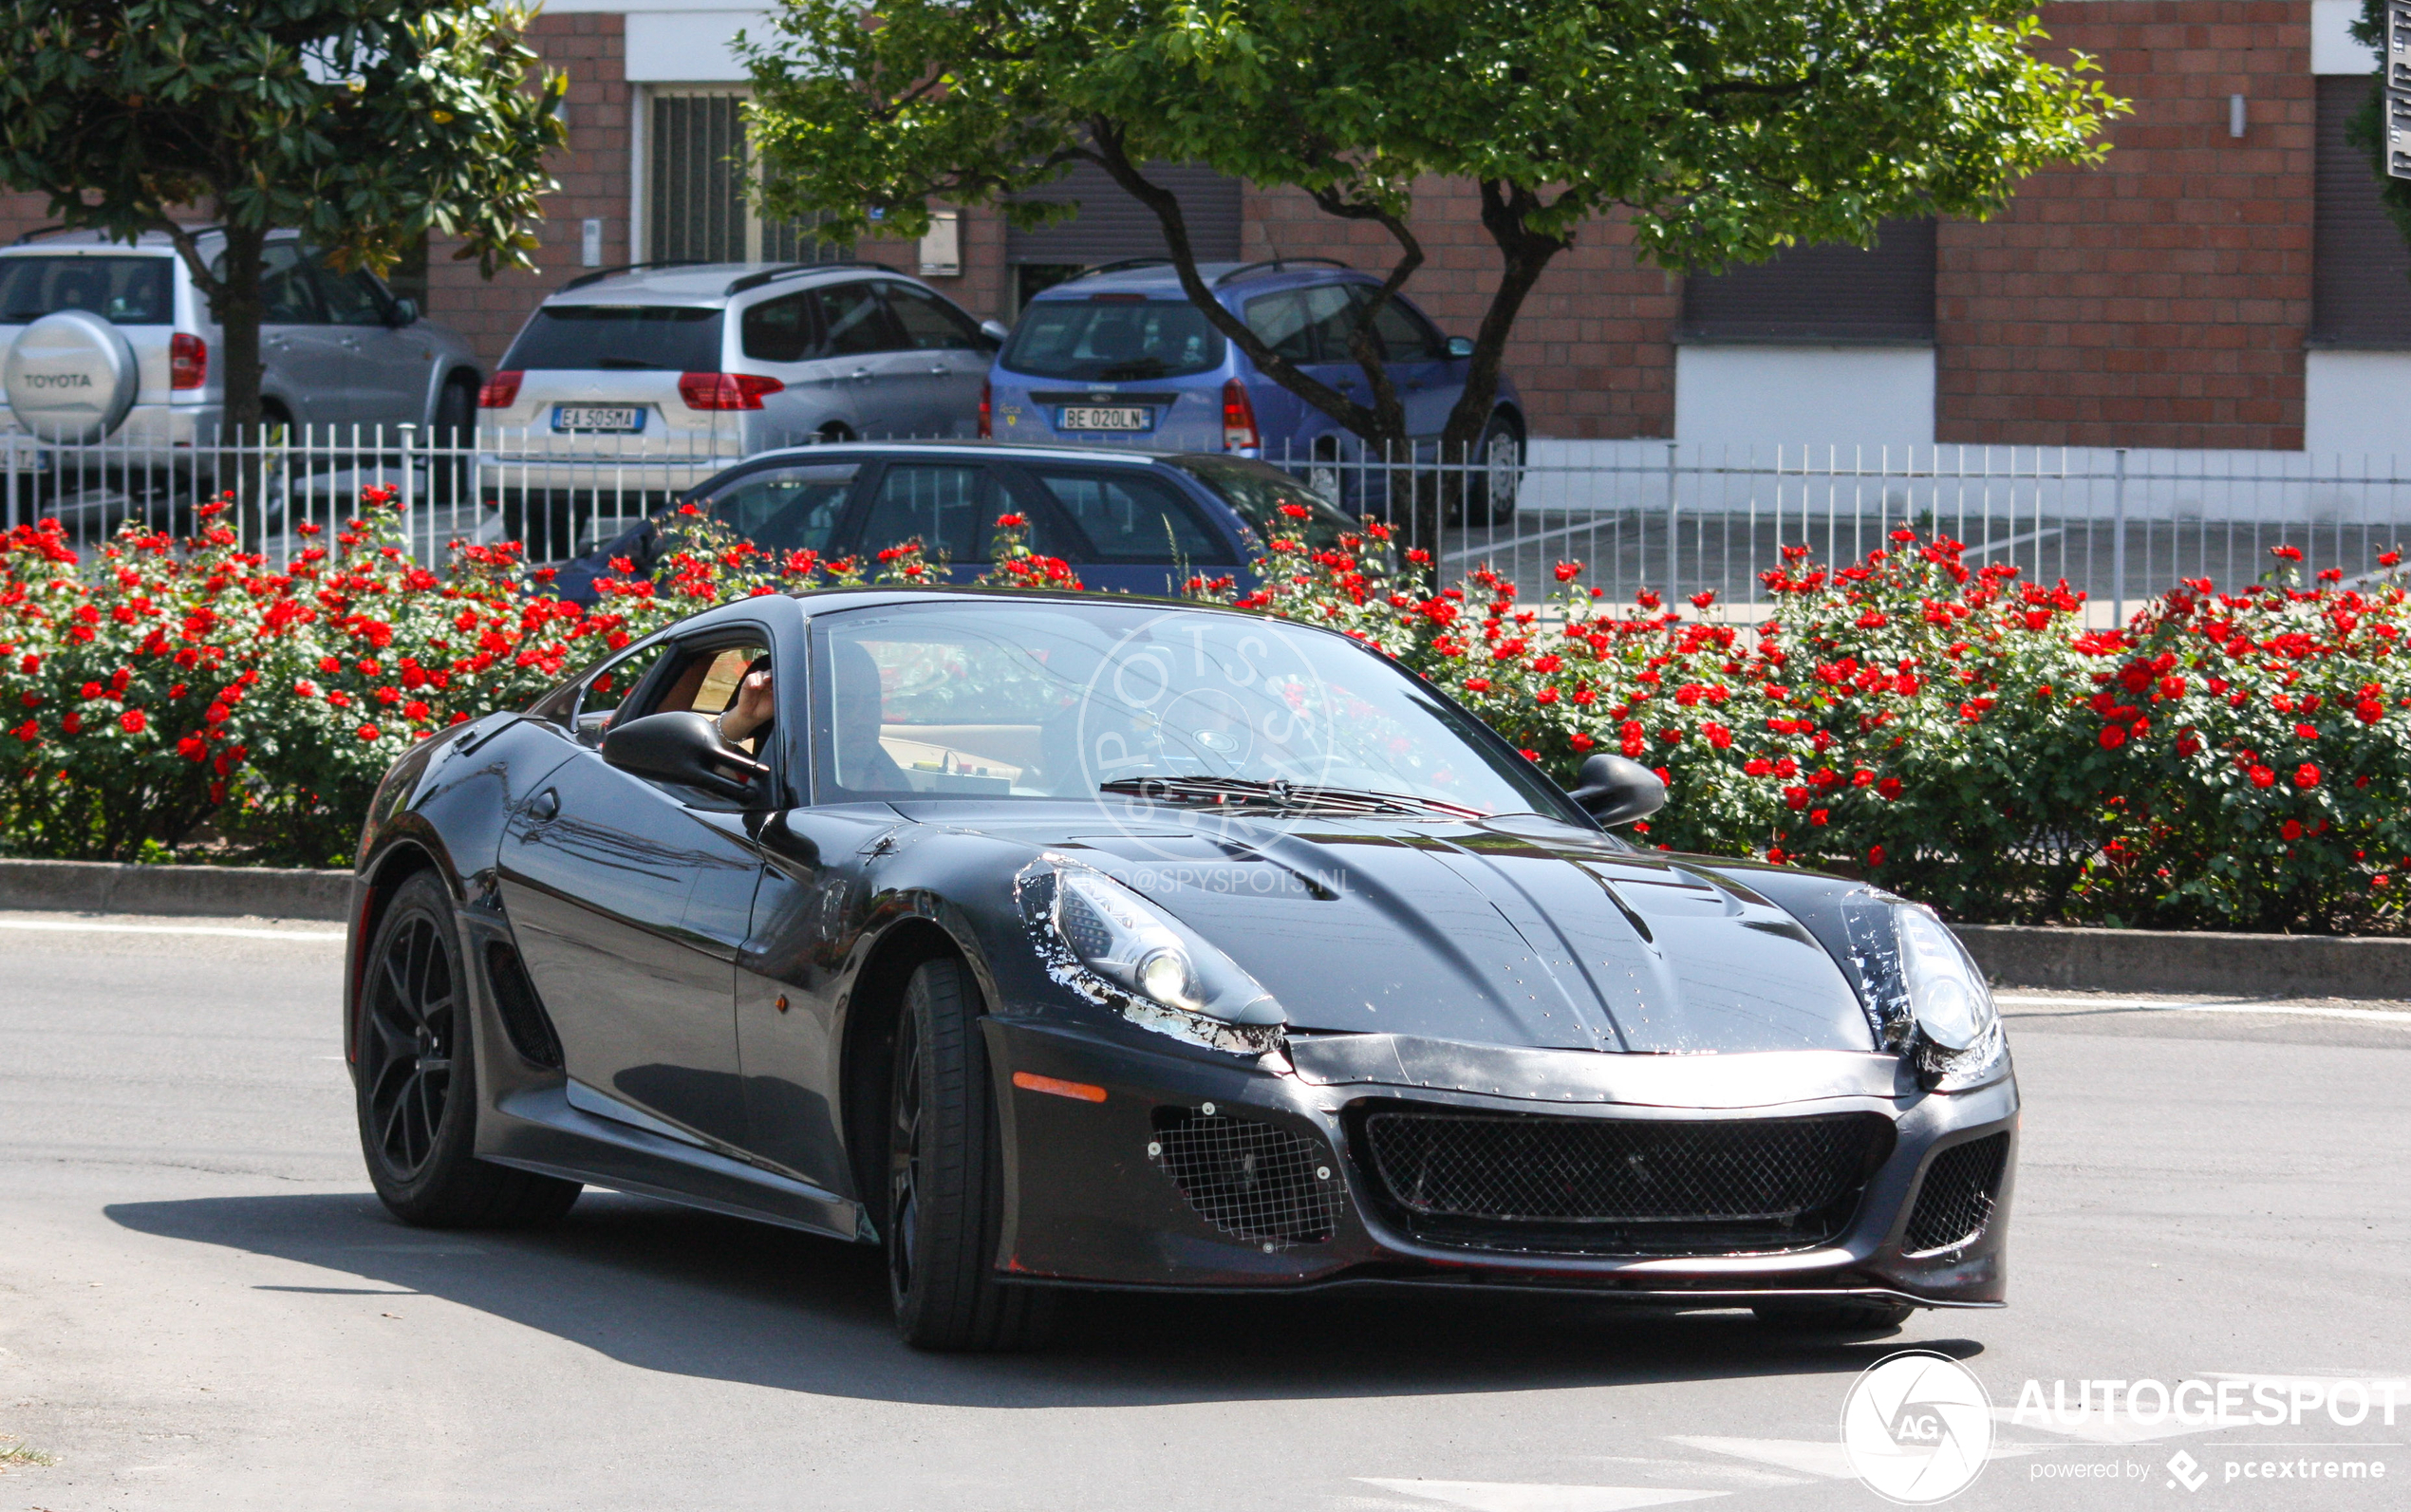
(1096, 1195)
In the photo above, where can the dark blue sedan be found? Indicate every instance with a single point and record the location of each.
(1137, 522)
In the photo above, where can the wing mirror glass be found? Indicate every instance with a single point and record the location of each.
(404, 312)
(1613, 790)
(995, 331)
(1460, 345)
(683, 747)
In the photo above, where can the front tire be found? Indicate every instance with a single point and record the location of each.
(945, 1178)
(416, 1082)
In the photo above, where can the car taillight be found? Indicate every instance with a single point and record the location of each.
(987, 412)
(187, 361)
(1238, 419)
(501, 391)
(725, 390)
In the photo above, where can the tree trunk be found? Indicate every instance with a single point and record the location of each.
(237, 305)
(1523, 256)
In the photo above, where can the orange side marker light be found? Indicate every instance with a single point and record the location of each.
(1055, 1087)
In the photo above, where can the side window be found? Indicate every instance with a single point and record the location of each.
(785, 509)
(1405, 336)
(778, 331)
(928, 323)
(710, 678)
(289, 295)
(853, 321)
(351, 298)
(1331, 314)
(1279, 322)
(1131, 519)
(608, 687)
(945, 506)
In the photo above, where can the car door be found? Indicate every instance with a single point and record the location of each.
(788, 508)
(304, 365)
(1132, 531)
(384, 371)
(863, 362)
(630, 899)
(952, 358)
(1417, 358)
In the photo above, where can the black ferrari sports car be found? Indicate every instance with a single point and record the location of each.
(1086, 942)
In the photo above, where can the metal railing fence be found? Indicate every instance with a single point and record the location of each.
(1676, 518)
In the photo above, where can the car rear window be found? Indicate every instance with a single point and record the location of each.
(1257, 490)
(121, 291)
(1113, 340)
(676, 337)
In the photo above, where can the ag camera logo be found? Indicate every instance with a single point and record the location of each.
(1916, 1428)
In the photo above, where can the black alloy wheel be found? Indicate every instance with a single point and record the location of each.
(946, 1179)
(416, 1079)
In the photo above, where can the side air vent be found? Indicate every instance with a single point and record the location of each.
(523, 1015)
(1251, 1179)
(1954, 1200)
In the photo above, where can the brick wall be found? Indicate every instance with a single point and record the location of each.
(2161, 299)
(1592, 350)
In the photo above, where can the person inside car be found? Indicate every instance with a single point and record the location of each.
(749, 713)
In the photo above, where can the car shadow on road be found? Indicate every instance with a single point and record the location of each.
(667, 1288)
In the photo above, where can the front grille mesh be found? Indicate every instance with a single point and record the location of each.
(1624, 1185)
(1954, 1200)
(1251, 1179)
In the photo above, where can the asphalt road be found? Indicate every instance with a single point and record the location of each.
(201, 1306)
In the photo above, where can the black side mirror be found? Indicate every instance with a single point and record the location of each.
(1460, 345)
(1616, 791)
(404, 312)
(684, 747)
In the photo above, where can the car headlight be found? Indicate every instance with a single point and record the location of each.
(1924, 993)
(1113, 947)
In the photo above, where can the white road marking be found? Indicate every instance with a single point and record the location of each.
(223, 931)
(1509, 1496)
(2387, 1015)
(1821, 1457)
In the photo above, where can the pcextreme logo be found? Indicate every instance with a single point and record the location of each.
(1917, 1427)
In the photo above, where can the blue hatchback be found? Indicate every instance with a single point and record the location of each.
(1120, 356)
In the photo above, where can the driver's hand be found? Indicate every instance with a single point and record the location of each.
(751, 709)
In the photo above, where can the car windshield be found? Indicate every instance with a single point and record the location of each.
(1259, 490)
(669, 338)
(1035, 700)
(1111, 339)
(121, 291)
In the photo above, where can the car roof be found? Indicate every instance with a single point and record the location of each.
(707, 283)
(1158, 279)
(154, 243)
(866, 451)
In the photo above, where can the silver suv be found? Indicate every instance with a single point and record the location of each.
(106, 341)
(631, 386)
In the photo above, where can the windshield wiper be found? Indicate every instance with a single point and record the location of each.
(1281, 793)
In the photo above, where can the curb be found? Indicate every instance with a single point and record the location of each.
(2172, 960)
(108, 886)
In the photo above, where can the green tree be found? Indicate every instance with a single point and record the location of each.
(1725, 129)
(2367, 128)
(362, 123)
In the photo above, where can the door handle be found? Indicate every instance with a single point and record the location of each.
(545, 805)
(352, 342)
(941, 369)
(860, 375)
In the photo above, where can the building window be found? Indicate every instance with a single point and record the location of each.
(1822, 295)
(2360, 267)
(696, 173)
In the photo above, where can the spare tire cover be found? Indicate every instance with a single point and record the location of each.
(70, 377)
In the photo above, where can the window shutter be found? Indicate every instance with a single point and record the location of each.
(2360, 267)
(1828, 293)
(1111, 224)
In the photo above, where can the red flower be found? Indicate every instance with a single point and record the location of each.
(1532, 755)
(1889, 788)
(2368, 711)
(1717, 735)
(1568, 571)
(2307, 732)
(2390, 558)
(1775, 855)
(90, 690)
(1296, 512)
(1580, 742)
(134, 722)
(1819, 815)
(1010, 522)
(2286, 553)
(367, 732)
(28, 732)
(73, 723)
(2291, 829)
(2306, 776)
(2113, 736)
(1874, 855)
(1477, 684)
(1796, 798)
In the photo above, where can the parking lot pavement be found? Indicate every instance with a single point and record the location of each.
(201, 1305)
